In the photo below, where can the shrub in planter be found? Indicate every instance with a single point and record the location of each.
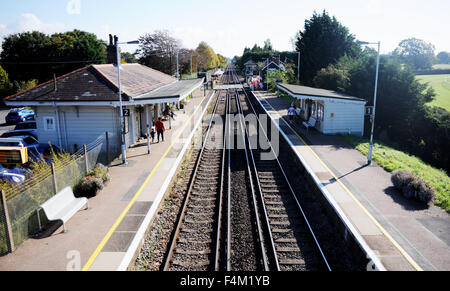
(101, 171)
(88, 187)
(401, 179)
(412, 187)
(419, 190)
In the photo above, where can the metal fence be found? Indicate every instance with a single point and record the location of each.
(18, 216)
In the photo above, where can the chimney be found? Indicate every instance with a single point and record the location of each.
(111, 56)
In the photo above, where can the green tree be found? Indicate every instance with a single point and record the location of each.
(443, 58)
(416, 53)
(333, 77)
(208, 58)
(275, 77)
(5, 84)
(268, 45)
(323, 41)
(129, 58)
(34, 55)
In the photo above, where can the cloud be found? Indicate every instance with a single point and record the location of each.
(74, 7)
(30, 22)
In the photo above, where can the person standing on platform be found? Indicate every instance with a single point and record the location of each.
(160, 128)
(291, 112)
(153, 133)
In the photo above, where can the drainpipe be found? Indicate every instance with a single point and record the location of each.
(147, 120)
(58, 128)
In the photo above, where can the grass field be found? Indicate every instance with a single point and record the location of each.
(441, 84)
(442, 67)
(392, 160)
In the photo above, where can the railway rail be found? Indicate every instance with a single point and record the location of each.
(240, 212)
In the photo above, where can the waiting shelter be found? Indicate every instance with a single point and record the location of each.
(331, 112)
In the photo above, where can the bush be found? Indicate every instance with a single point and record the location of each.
(88, 187)
(413, 187)
(401, 179)
(93, 182)
(100, 171)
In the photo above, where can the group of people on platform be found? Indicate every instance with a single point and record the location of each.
(255, 83)
(159, 128)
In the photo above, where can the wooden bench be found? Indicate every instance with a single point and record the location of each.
(62, 207)
(311, 123)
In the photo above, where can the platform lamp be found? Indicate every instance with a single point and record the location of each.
(122, 121)
(178, 65)
(374, 99)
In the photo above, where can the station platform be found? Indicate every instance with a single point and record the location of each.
(402, 234)
(106, 237)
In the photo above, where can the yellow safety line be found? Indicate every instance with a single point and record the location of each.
(388, 236)
(136, 196)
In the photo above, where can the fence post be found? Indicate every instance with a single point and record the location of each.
(8, 230)
(55, 185)
(86, 162)
(107, 148)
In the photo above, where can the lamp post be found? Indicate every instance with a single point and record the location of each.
(178, 66)
(374, 98)
(122, 121)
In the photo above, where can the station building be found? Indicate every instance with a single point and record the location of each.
(81, 106)
(334, 112)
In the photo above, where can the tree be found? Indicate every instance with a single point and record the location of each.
(158, 51)
(5, 84)
(443, 58)
(208, 58)
(416, 53)
(128, 58)
(35, 55)
(333, 77)
(323, 42)
(268, 45)
(273, 77)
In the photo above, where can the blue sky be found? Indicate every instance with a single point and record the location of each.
(229, 26)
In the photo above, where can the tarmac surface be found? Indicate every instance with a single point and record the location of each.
(3, 126)
(404, 234)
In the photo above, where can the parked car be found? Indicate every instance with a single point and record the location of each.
(19, 115)
(24, 128)
(13, 174)
(36, 151)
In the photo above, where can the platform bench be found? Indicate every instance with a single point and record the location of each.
(311, 123)
(62, 207)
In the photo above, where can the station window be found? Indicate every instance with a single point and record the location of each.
(49, 124)
(320, 112)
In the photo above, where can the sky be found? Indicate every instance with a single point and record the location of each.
(230, 26)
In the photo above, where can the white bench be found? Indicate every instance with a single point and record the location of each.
(62, 207)
(311, 123)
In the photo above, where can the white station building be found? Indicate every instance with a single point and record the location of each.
(333, 111)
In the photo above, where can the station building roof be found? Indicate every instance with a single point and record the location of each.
(99, 84)
(179, 90)
(296, 90)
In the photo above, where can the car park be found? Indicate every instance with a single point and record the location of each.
(19, 115)
(35, 151)
(23, 128)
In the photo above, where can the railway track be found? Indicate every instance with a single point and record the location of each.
(193, 245)
(240, 212)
